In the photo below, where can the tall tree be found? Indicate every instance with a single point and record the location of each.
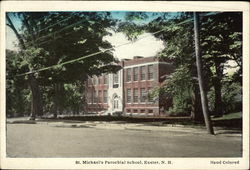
(36, 107)
(177, 33)
(221, 41)
(59, 39)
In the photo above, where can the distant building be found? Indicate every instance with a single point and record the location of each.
(126, 92)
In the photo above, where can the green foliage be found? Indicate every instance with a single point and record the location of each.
(131, 30)
(178, 48)
(134, 16)
(173, 88)
(56, 38)
(232, 96)
(221, 41)
(74, 96)
(181, 94)
(18, 98)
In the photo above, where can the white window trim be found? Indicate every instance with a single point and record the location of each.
(145, 64)
(134, 107)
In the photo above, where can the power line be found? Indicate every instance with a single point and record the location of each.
(54, 24)
(75, 24)
(69, 26)
(93, 54)
(99, 52)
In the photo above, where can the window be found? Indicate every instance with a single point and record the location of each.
(128, 111)
(115, 78)
(150, 111)
(99, 96)
(150, 72)
(135, 96)
(143, 73)
(142, 110)
(128, 95)
(95, 96)
(94, 80)
(136, 74)
(135, 111)
(105, 96)
(128, 74)
(143, 95)
(150, 97)
(89, 81)
(105, 81)
(116, 105)
(99, 80)
(89, 96)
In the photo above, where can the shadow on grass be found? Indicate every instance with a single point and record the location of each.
(229, 123)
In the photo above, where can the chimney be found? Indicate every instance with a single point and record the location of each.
(137, 57)
(125, 59)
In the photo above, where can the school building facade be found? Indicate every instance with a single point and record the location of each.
(127, 91)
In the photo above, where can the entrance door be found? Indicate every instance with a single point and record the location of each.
(115, 103)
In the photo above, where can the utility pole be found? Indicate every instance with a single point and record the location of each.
(200, 76)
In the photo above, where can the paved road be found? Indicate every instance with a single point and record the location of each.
(41, 140)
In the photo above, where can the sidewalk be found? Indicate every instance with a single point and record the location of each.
(119, 125)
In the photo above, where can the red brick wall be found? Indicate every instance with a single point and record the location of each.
(158, 76)
(100, 106)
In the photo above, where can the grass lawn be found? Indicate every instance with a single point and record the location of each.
(236, 115)
(231, 120)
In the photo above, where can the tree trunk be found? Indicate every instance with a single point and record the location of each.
(55, 100)
(196, 112)
(84, 98)
(36, 104)
(200, 77)
(217, 89)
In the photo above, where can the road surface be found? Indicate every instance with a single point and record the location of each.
(41, 140)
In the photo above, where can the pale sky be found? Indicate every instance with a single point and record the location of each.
(11, 40)
(146, 47)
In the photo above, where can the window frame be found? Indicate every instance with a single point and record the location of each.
(143, 72)
(129, 97)
(105, 79)
(135, 74)
(105, 97)
(128, 72)
(150, 74)
(143, 96)
(135, 96)
(115, 77)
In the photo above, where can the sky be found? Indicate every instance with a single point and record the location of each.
(146, 47)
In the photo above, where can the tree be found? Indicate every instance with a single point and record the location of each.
(177, 33)
(221, 41)
(58, 40)
(36, 108)
(18, 97)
